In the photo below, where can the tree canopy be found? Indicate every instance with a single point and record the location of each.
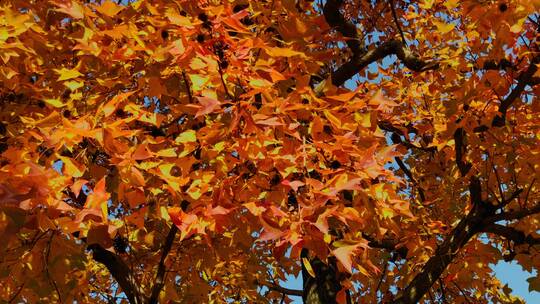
(182, 151)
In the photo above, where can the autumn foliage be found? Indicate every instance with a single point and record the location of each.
(202, 151)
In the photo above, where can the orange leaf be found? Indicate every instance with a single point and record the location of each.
(344, 256)
(207, 105)
(71, 167)
(71, 8)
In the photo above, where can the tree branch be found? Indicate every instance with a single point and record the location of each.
(447, 251)
(461, 149)
(511, 234)
(362, 58)
(513, 215)
(120, 272)
(396, 21)
(392, 47)
(283, 290)
(386, 243)
(336, 20)
(408, 173)
(435, 266)
(502, 64)
(14, 297)
(524, 79)
(160, 276)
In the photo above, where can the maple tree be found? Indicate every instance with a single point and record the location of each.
(202, 151)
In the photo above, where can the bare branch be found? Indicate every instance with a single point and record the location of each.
(47, 254)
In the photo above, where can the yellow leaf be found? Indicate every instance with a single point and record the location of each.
(444, 28)
(187, 136)
(171, 152)
(333, 119)
(73, 85)
(72, 168)
(283, 52)
(308, 267)
(66, 74)
(110, 106)
(259, 83)
(198, 82)
(57, 103)
(387, 212)
(177, 19)
(427, 4)
(327, 238)
(364, 119)
(516, 28)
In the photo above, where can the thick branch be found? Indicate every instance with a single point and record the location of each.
(524, 79)
(362, 58)
(448, 250)
(335, 19)
(386, 243)
(513, 215)
(120, 271)
(392, 47)
(461, 149)
(435, 266)
(511, 234)
(502, 64)
(160, 276)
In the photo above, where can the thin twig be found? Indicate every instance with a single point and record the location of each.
(47, 253)
(462, 292)
(397, 22)
(14, 297)
(381, 279)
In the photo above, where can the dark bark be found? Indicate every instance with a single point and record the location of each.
(323, 288)
(120, 272)
(361, 57)
(447, 251)
(160, 275)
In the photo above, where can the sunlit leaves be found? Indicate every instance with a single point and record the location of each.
(119, 121)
